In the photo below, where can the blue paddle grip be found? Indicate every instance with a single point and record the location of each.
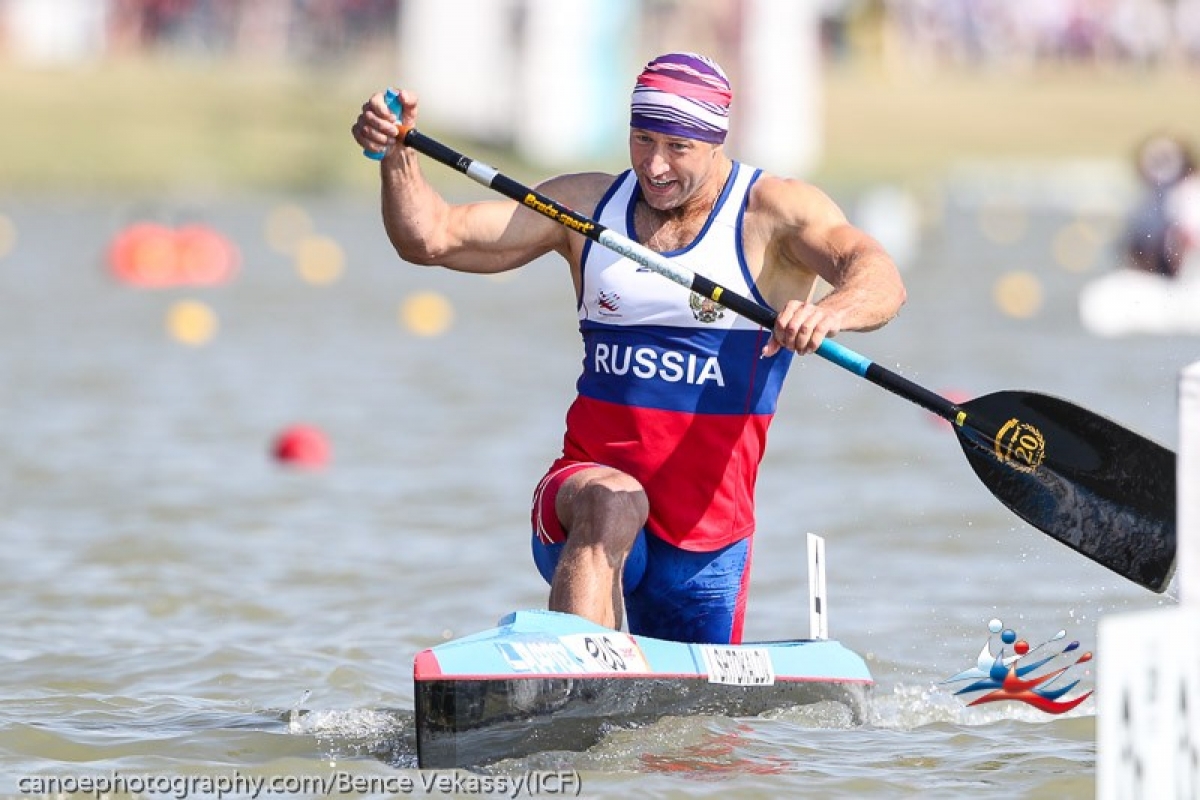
(392, 98)
(844, 357)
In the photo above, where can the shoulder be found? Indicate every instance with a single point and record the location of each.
(790, 202)
(580, 191)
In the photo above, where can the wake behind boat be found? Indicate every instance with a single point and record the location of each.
(543, 680)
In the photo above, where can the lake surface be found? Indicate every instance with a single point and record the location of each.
(177, 603)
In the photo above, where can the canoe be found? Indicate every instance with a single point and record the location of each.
(542, 680)
(1126, 302)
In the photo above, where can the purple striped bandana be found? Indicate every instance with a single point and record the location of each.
(683, 94)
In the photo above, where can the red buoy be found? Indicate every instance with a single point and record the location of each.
(302, 446)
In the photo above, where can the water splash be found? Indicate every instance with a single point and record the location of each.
(913, 706)
(386, 734)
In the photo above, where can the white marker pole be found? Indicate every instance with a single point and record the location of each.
(1188, 483)
(818, 620)
(1148, 683)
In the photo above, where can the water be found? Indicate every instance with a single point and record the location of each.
(176, 604)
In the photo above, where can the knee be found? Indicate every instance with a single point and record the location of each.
(608, 512)
(621, 503)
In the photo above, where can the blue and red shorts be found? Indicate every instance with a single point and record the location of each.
(670, 593)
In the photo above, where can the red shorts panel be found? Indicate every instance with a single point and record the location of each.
(543, 516)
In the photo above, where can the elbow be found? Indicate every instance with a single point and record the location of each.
(416, 251)
(889, 303)
(896, 293)
(417, 256)
(899, 296)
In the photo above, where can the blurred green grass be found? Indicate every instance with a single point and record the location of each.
(169, 125)
(165, 125)
(904, 128)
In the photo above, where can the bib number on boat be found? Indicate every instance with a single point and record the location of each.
(739, 666)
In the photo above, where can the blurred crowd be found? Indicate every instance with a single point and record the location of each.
(903, 32)
(286, 29)
(1141, 32)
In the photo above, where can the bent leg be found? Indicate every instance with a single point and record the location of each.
(600, 511)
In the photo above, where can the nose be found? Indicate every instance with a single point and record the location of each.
(654, 164)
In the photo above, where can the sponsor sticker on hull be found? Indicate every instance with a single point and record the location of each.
(738, 666)
(574, 654)
(606, 652)
(538, 657)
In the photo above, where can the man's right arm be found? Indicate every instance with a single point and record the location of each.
(482, 237)
(424, 228)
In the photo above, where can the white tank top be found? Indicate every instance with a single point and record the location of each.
(617, 291)
(674, 390)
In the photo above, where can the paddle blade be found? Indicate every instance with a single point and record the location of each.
(1093, 485)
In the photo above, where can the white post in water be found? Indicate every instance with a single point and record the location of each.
(1148, 686)
(818, 619)
(1189, 490)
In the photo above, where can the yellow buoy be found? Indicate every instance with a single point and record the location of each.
(1077, 246)
(1018, 294)
(426, 314)
(191, 322)
(320, 260)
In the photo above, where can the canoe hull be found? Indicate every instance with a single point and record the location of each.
(546, 681)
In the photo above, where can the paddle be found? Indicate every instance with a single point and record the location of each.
(1081, 478)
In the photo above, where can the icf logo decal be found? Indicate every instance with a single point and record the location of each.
(1020, 673)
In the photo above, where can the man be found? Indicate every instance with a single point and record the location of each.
(1156, 236)
(649, 510)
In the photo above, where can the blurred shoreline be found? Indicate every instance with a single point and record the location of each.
(174, 126)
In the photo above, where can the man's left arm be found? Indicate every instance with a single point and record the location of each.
(814, 235)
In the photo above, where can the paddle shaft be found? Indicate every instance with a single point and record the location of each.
(755, 312)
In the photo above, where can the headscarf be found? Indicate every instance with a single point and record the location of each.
(683, 94)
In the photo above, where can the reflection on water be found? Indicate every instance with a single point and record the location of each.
(178, 601)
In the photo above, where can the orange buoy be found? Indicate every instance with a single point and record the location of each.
(203, 256)
(152, 255)
(143, 254)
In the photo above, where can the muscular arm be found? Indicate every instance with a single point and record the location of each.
(482, 237)
(809, 235)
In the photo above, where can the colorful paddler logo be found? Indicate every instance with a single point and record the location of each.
(1011, 673)
(608, 302)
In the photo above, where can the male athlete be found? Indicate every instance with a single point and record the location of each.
(649, 511)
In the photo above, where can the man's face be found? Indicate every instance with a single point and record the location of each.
(670, 169)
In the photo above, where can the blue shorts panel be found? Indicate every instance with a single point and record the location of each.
(675, 594)
(546, 556)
